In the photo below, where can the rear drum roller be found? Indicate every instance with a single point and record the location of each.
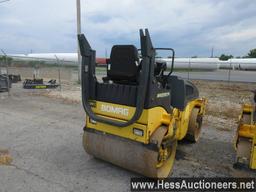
(148, 160)
(194, 126)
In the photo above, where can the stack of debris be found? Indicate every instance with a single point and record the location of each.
(14, 78)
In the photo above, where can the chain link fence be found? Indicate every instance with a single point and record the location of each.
(66, 73)
(229, 74)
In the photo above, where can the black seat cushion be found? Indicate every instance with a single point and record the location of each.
(124, 61)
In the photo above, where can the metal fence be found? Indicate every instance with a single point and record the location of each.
(66, 74)
(228, 75)
(224, 71)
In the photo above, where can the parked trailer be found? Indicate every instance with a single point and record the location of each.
(193, 63)
(239, 64)
(180, 63)
(244, 64)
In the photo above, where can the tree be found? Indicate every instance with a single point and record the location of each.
(224, 57)
(252, 53)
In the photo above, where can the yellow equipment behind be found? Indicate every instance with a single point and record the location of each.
(245, 141)
(137, 114)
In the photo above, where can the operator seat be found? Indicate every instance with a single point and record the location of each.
(123, 66)
(121, 84)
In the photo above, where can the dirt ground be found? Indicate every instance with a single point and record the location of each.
(42, 131)
(225, 101)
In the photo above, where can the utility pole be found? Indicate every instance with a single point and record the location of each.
(212, 52)
(78, 18)
(6, 62)
(59, 67)
(106, 53)
(7, 72)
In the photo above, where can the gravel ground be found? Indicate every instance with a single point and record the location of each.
(44, 135)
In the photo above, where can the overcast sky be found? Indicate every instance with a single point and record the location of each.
(191, 27)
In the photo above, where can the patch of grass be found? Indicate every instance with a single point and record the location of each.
(5, 157)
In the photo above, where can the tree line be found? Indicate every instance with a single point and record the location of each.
(251, 54)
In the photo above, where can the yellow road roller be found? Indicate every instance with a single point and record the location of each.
(245, 140)
(138, 112)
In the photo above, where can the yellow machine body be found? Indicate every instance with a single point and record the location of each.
(133, 151)
(150, 120)
(136, 115)
(245, 142)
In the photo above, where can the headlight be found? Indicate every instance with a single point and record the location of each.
(138, 132)
(92, 121)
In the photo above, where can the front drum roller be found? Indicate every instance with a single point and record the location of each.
(194, 126)
(150, 160)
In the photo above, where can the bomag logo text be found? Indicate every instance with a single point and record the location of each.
(116, 110)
